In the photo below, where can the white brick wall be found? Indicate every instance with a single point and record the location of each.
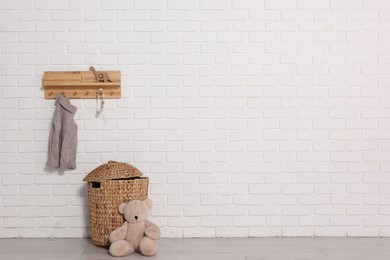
(251, 117)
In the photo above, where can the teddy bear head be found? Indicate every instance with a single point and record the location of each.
(136, 211)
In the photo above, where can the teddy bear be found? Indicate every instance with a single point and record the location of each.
(136, 233)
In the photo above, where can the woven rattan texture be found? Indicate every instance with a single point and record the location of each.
(109, 185)
(113, 170)
(104, 201)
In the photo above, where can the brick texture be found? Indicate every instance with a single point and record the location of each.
(251, 117)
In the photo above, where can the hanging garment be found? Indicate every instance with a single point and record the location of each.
(63, 135)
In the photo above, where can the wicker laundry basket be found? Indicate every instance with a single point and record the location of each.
(109, 185)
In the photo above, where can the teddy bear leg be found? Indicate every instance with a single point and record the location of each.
(121, 248)
(148, 246)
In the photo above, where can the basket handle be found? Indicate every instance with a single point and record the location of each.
(112, 162)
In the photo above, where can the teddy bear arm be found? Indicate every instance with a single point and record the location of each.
(119, 233)
(152, 230)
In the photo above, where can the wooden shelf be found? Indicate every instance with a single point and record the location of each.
(81, 84)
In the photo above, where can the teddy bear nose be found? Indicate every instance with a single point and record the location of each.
(136, 217)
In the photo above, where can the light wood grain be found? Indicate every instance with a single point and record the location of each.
(80, 84)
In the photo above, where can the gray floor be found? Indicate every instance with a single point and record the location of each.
(207, 249)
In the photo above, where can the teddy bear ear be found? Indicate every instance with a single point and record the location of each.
(122, 208)
(149, 203)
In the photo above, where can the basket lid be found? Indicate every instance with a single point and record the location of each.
(112, 170)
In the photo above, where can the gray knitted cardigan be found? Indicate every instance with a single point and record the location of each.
(63, 135)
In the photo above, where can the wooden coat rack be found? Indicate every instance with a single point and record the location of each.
(82, 84)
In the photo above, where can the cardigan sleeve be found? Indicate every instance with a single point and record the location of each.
(54, 141)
